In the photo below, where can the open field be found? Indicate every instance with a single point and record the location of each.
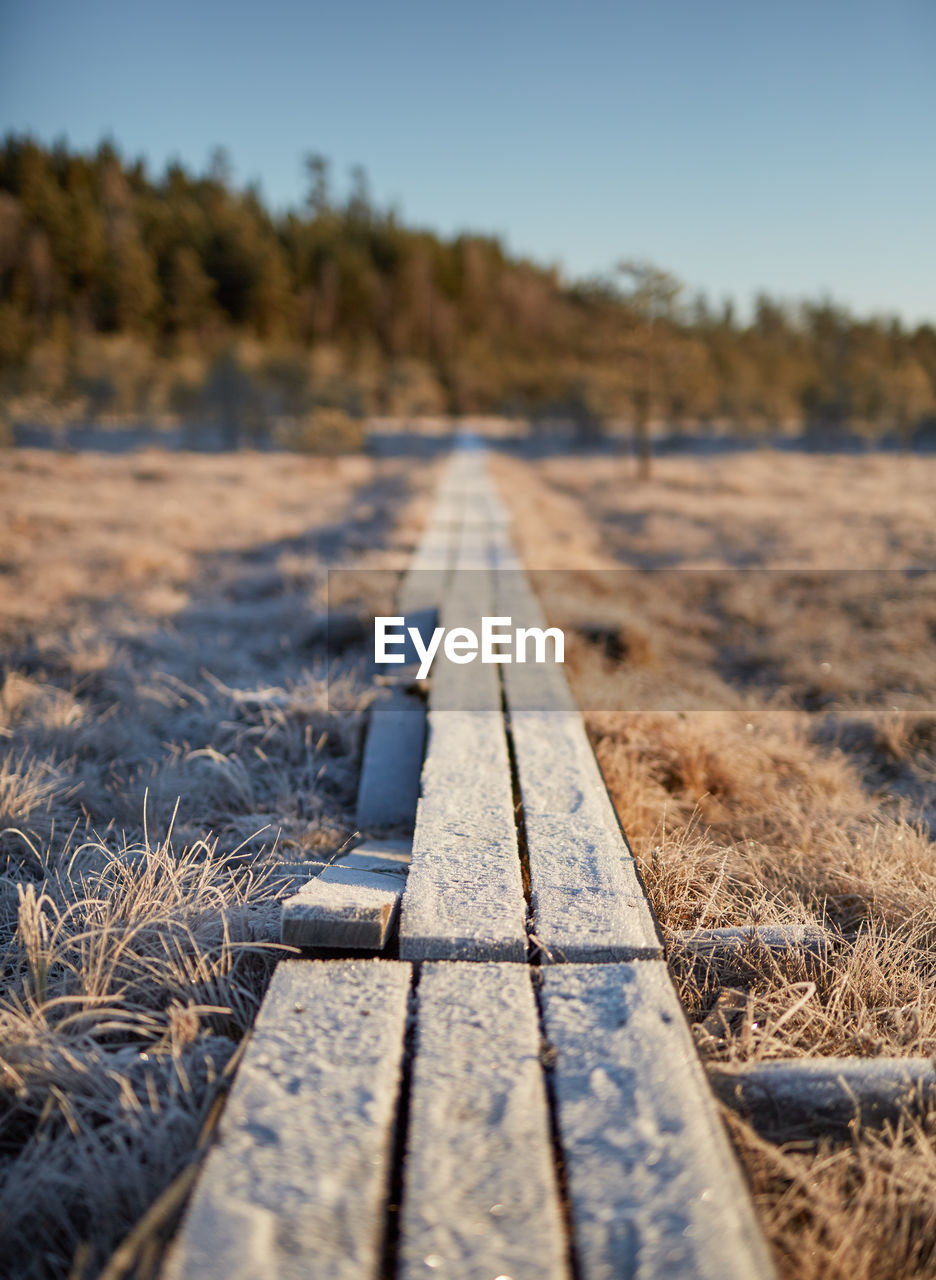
(162, 637)
(166, 741)
(764, 810)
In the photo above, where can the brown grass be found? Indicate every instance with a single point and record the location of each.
(758, 810)
(165, 739)
(868, 1209)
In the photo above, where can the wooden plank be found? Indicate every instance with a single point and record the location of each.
(346, 906)
(807, 1098)
(751, 944)
(471, 686)
(354, 901)
(287, 877)
(263, 917)
(393, 754)
(377, 855)
(473, 544)
(236, 1241)
(588, 903)
(480, 1196)
(653, 1184)
(297, 1185)
(503, 557)
(529, 685)
(389, 784)
(464, 894)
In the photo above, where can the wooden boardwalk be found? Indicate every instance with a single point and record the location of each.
(515, 1094)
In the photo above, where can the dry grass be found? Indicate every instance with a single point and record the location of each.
(84, 534)
(867, 1210)
(761, 508)
(165, 738)
(761, 811)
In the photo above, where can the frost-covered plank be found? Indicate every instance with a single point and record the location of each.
(587, 901)
(653, 1184)
(377, 855)
(464, 894)
(469, 686)
(480, 1198)
(297, 1185)
(287, 877)
(393, 754)
(806, 1098)
(350, 907)
(530, 685)
(393, 751)
(752, 944)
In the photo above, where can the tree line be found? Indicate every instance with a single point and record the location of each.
(127, 292)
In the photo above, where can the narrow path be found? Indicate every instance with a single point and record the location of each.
(518, 1095)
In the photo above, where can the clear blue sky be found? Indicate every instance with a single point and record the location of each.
(771, 143)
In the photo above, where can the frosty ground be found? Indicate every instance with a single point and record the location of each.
(800, 797)
(165, 739)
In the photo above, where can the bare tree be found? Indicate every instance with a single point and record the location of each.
(653, 298)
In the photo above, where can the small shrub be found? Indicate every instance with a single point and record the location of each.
(326, 431)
